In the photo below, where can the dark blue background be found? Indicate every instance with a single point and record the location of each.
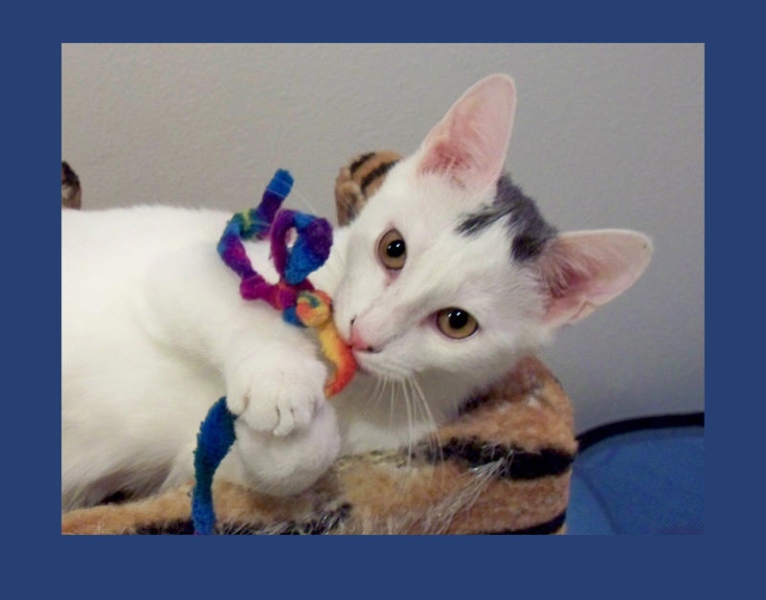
(40, 562)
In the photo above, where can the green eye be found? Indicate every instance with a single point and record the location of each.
(456, 323)
(392, 250)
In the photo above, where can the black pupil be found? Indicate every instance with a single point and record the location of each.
(457, 319)
(395, 249)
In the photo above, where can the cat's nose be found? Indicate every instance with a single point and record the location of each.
(357, 341)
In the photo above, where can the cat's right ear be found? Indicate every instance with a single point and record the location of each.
(469, 145)
(583, 270)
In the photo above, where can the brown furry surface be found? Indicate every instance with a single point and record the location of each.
(71, 193)
(360, 179)
(502, 466)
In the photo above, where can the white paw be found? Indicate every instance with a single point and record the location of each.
(284, 465)
(275, 394)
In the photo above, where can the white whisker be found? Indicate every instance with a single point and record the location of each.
(337, 266)
(391, 409)
(410, 420)
(304, 200)
(433, 435)
(416, 410)
(372, 396)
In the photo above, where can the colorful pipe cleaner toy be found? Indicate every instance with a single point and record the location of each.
(301, 305)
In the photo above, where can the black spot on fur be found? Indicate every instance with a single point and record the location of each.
(521, 216)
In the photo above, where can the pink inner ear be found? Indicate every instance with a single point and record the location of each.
(584, 270)
(566, 279)
(469, 145)
(449, 158)
(569, 287)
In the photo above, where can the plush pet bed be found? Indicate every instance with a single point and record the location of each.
(503, 466)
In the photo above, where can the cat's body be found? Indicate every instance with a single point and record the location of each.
(154, 330)
(143, 367)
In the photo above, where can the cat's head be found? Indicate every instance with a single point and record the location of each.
(451, 267)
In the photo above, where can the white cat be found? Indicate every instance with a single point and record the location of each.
(443, 281)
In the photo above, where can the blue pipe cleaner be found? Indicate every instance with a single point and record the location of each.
(214, 439)
(310, 250)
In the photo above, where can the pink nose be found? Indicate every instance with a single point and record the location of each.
(358, 342)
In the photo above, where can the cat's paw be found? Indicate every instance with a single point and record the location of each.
(276, 394)
(284, 465)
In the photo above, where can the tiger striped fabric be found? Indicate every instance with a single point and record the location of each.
(360, 179)
(502, 467)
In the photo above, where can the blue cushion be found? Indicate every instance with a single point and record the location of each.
(642, 476)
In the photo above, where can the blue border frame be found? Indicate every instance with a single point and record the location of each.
(41, 559)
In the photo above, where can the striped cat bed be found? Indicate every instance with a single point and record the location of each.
(503, 466)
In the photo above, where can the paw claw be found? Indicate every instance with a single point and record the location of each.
(274, 401)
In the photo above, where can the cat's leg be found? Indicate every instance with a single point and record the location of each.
(287, 432)
(274, 379)
(273, 375)
(271, 463)
(282, 465)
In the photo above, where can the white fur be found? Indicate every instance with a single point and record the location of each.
(154, 330)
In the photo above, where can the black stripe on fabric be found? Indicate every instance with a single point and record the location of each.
(179, 527)
(598, 434)
(546, 528)
(514, 463)
(472, 404)
(326, 523)
(185, 527)
(377, 172)
(354, 167)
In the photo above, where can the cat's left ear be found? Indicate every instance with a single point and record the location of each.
(583, 270)
(469, 145)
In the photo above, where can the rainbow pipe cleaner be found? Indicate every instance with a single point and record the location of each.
(301, 305)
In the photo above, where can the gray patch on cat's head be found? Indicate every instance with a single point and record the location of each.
(529, 231)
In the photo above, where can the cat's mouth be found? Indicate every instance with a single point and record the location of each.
(373, 364)
(361, 361)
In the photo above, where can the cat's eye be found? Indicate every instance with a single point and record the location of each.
(456, 323)
(392, 250)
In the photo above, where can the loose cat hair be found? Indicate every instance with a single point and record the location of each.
(446, 278)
